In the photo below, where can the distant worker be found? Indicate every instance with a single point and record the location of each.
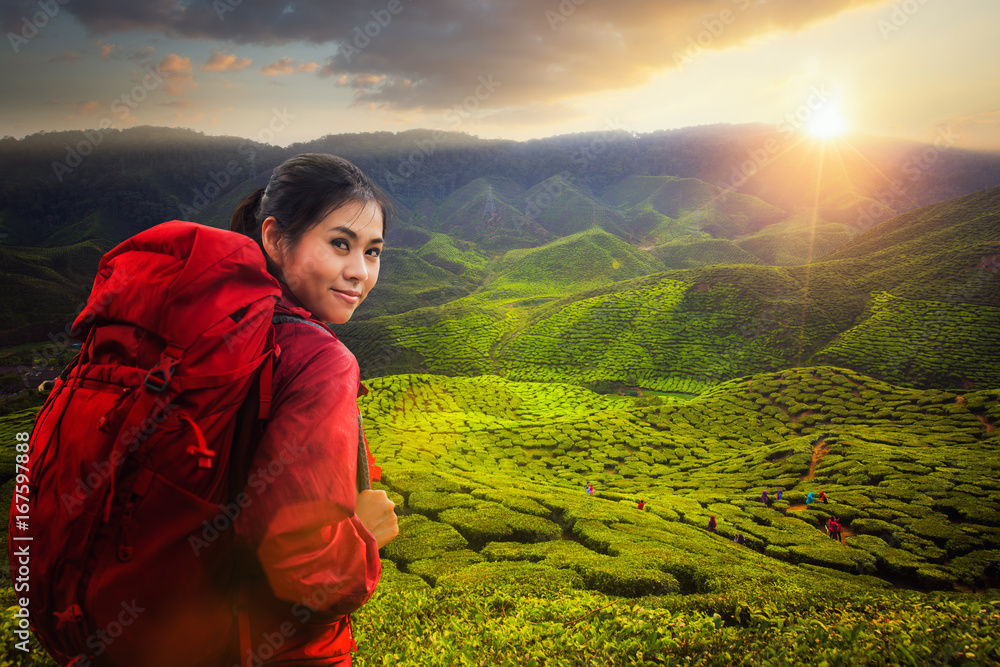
(781, 493)
(642, 505)
(835, 530)
(763, 497)
(711, 523)
(811, 498)
(822, 496)
(590, 489)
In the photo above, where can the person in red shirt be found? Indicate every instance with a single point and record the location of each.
(313, 539)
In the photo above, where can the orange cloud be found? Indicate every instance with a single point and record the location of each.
(282, 66)
(177, 71)
(288, 65)
(107, 50)
(220, 62)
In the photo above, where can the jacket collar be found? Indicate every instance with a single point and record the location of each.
(293, 305)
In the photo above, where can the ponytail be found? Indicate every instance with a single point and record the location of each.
(247, 220)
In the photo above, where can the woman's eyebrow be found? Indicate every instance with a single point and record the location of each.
(344, 230)
(352, 234)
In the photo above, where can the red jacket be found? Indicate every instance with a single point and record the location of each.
(316, 562)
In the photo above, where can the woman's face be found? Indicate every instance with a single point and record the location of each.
(335, 264)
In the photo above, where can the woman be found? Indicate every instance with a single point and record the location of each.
(320, 223)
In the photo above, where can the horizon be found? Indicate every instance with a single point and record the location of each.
(540, 72)
(855, 136)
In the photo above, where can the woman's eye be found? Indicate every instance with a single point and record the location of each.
(375, 252)
(340, 243)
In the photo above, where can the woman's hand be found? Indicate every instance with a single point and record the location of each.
(377, 514)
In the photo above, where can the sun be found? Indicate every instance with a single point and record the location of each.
(827, 124)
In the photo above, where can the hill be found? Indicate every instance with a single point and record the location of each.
(879, 452)
(801, 239)
(407, 282)
(691, 204)
(689, 252)
(687, 330)
(45, 288)
(145, 175)
(572, 263)
(487, 212)
(565, 209)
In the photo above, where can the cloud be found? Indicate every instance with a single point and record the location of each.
(110, 51)
(287, 65)
(177, 71)
(284, 65)
(83, 108)
(432, 53)
(219, 62)
(76, 109)
(141, 54)
(107, 50)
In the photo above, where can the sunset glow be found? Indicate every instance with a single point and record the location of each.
(827, 124)
(519, 70)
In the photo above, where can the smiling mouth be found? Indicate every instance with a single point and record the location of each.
(349, 297)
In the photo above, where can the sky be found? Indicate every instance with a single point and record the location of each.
(284, 71)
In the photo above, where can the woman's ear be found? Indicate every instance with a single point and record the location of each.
(270, 237)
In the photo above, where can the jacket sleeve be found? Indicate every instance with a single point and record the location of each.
(301, 490)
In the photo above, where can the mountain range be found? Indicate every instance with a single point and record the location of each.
(671, 261)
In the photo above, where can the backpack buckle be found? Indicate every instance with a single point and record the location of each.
(158, 379)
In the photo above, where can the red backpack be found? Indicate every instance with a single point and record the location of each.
(133, 451)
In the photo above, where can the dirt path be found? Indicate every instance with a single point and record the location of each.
(819, 451)
(986, 422)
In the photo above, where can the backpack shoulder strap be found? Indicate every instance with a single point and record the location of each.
(288, 318)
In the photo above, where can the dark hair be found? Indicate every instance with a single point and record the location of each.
(302, 191)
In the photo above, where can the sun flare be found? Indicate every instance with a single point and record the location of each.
(827, 124)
